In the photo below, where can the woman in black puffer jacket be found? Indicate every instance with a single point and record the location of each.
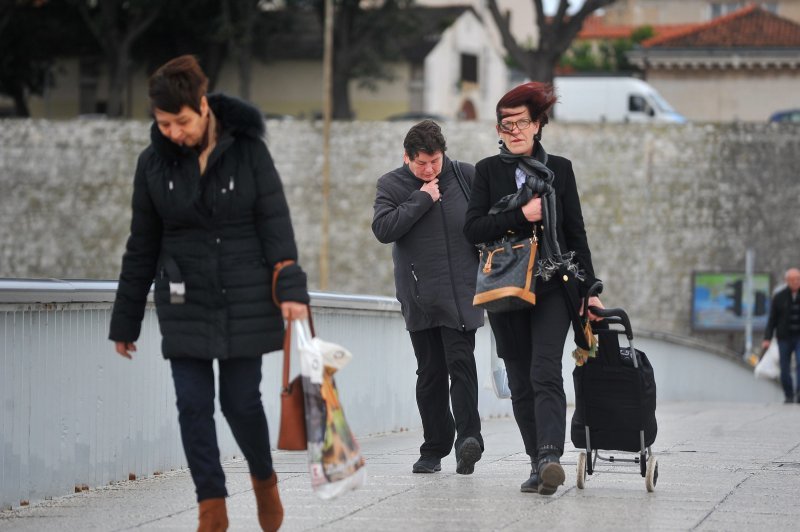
(211, 226)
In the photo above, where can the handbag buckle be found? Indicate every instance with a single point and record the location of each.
(487, 268)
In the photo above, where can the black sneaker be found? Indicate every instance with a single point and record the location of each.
(427, 464)
(551, 474)
(469, 453)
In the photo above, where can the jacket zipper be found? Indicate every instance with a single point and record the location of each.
(450, 266)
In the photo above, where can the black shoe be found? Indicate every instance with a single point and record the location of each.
(788, 400)
(469, 453)
(427, 464)
(532, 484)
(551, 474)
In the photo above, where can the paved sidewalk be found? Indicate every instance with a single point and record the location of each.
(731, 467)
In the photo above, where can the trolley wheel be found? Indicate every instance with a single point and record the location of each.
(581, 470)
(651, 478)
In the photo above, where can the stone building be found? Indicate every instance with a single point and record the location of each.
(743, 66)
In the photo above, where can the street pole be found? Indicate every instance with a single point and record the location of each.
(327, 75)
(747, 302)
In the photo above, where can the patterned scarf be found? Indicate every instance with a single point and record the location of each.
(539, 181)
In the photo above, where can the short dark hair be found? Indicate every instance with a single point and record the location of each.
(538, 97)
(424, 137)
(176, 83)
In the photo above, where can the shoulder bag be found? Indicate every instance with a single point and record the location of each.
(506, 274)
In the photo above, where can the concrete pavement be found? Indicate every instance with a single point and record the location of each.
(722, 466)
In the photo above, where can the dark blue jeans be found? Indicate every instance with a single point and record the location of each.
(240, 401)
(786, 348)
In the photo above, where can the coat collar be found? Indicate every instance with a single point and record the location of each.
(236, 118)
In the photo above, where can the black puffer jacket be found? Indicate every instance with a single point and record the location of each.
(220, 234)
(435, 268)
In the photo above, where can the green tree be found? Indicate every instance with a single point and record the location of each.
(606, 56)
(367, 36)
(31, 35)
(116, 25)
(556, 33)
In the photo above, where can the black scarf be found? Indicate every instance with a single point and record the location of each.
(539, 181)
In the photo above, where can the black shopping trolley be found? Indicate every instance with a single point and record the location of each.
(615, 400)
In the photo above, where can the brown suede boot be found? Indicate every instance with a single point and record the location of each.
(213, 515)
(270, 509)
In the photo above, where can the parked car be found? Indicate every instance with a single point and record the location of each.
(789, 115)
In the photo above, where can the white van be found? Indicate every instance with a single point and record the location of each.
(611, 99)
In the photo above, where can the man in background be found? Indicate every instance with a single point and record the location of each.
(784, 322)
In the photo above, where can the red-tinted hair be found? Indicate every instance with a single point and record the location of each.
(538, 97)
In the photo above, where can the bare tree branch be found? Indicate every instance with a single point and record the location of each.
(556, 34)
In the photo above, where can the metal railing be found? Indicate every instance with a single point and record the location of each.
(75, 415)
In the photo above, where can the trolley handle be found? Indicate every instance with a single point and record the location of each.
(615, 316)
(595, 289)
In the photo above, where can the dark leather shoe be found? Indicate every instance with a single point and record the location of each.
(532, 484)
(427, 464)
(551, 474)
(469, 453)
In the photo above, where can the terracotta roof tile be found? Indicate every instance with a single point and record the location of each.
(749, 27)
(595, 28)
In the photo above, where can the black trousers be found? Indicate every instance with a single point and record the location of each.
(240, 401)
(531, 343)
(444, 353)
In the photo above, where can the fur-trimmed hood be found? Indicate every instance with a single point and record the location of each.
(237, 118)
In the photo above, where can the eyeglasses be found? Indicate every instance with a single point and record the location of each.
(508, 125)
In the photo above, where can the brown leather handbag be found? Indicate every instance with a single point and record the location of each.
(292, 432)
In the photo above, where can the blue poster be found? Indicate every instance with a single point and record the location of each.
(720, 304)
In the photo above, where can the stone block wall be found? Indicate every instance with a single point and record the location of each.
(659, 201)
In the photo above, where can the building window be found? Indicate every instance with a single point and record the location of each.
(469, 68)
(723, 8)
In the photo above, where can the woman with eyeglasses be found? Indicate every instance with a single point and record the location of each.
(531, 341)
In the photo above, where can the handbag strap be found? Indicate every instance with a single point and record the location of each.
(287, 348)
(460, 178)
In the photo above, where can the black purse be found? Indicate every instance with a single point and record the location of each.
(506, 274)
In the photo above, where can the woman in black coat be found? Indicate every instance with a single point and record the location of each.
(538, 193)
(211, 225)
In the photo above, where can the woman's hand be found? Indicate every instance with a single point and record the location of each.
(125, 349)
(594, 301)
(291, 310)
(533, 209)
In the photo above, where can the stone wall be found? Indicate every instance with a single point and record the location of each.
(659, 201)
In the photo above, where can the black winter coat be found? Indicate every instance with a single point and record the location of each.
(220, 233)
(494, 179)
(435, 268)
(779, 321)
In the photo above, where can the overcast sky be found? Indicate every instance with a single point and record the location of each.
(551, 5)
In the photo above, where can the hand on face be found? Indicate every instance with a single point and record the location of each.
(425, 166)
(432, 188)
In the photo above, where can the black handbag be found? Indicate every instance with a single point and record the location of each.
(506, 274)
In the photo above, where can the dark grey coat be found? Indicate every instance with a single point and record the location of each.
(220, 233)
(434, 266)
